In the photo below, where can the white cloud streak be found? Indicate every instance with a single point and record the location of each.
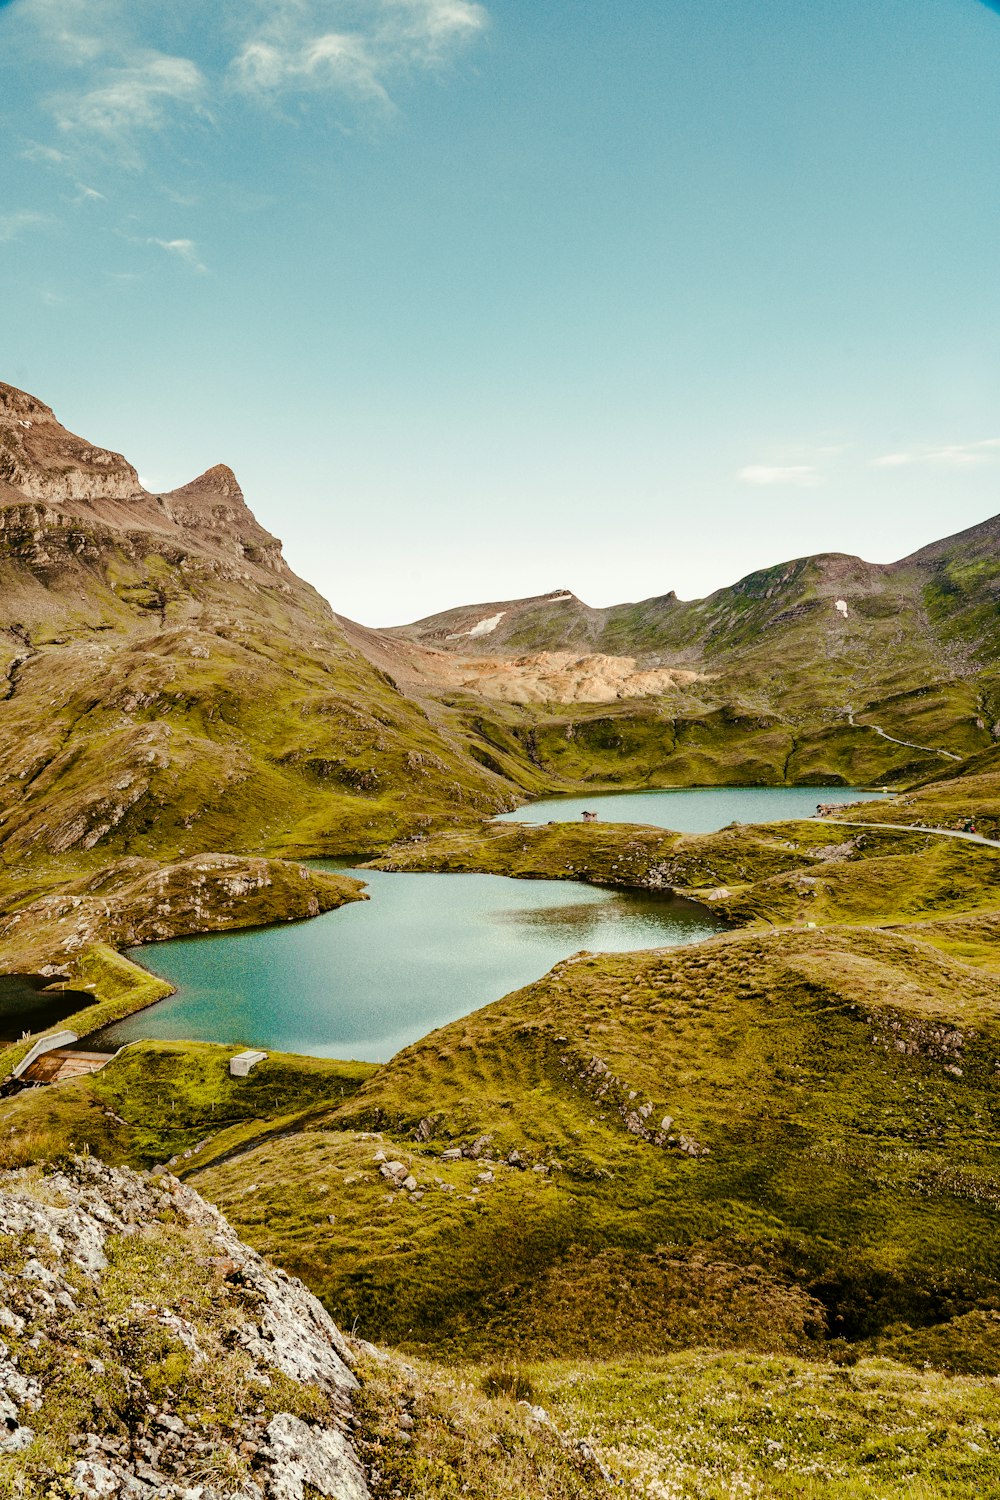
(137, 96)
(805, 476)
(47, 155)
(307, 46)
(14, 224)
(184, 250)
(953, 455)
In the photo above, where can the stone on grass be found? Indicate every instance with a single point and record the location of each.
(320, 1457)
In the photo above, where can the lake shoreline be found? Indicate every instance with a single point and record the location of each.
(616, 874)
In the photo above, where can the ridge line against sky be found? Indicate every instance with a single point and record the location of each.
(473, 297)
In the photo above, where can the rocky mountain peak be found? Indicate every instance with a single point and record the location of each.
(46, 468)
(43, 461)
(213, 508)
(218, 482)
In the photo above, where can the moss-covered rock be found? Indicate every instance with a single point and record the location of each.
(145, 1345)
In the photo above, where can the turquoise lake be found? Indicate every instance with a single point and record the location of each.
(692, 809)
(366, 980)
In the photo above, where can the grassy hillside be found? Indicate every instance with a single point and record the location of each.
(210, 726)
(158, 1100)
(828, 1172)
(689, 1426)
(746, 739)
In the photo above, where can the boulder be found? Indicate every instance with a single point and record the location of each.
(300, 1455)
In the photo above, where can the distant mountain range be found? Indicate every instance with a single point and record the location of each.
(937, 611)
(169, 685)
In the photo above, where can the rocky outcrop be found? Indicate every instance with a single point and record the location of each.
(147, 1352)
(213, 507)
(42, 460)
(45, 462)
(59, 495)
(639, 1119)
(139, 901)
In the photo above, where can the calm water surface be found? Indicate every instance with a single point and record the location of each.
(692, 810)
(374, 976)
(25, 1007)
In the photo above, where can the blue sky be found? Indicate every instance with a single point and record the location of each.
(482, 300)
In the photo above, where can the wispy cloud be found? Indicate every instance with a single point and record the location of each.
(13, 224)
(137, 96)
(184, 250)
(48, 155)
(805, 476)
(85, 194)
(119, 81)
(954, 455)
(893, 460)
(308, 46)
(70, 28)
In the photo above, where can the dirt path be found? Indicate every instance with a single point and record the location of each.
(947, 833)
(909, 744)
(930, 749)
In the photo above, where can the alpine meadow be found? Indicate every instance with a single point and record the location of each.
(545, 1050)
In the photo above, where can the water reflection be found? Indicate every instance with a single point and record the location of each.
(632, 919)
(368, 979)
(568, 921)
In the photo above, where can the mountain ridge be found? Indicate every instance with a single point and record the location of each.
(170, 688)
(780, 1141)
(828, 574)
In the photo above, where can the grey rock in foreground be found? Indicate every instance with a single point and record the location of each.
(194, 1370)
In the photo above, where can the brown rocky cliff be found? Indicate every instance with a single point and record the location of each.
(57, 485)
(44, 461)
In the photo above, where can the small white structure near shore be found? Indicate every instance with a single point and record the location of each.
(240, 1065)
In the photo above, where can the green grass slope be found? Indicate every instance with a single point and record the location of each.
(829, 1169)
(689, 1426)
(157, 1100)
